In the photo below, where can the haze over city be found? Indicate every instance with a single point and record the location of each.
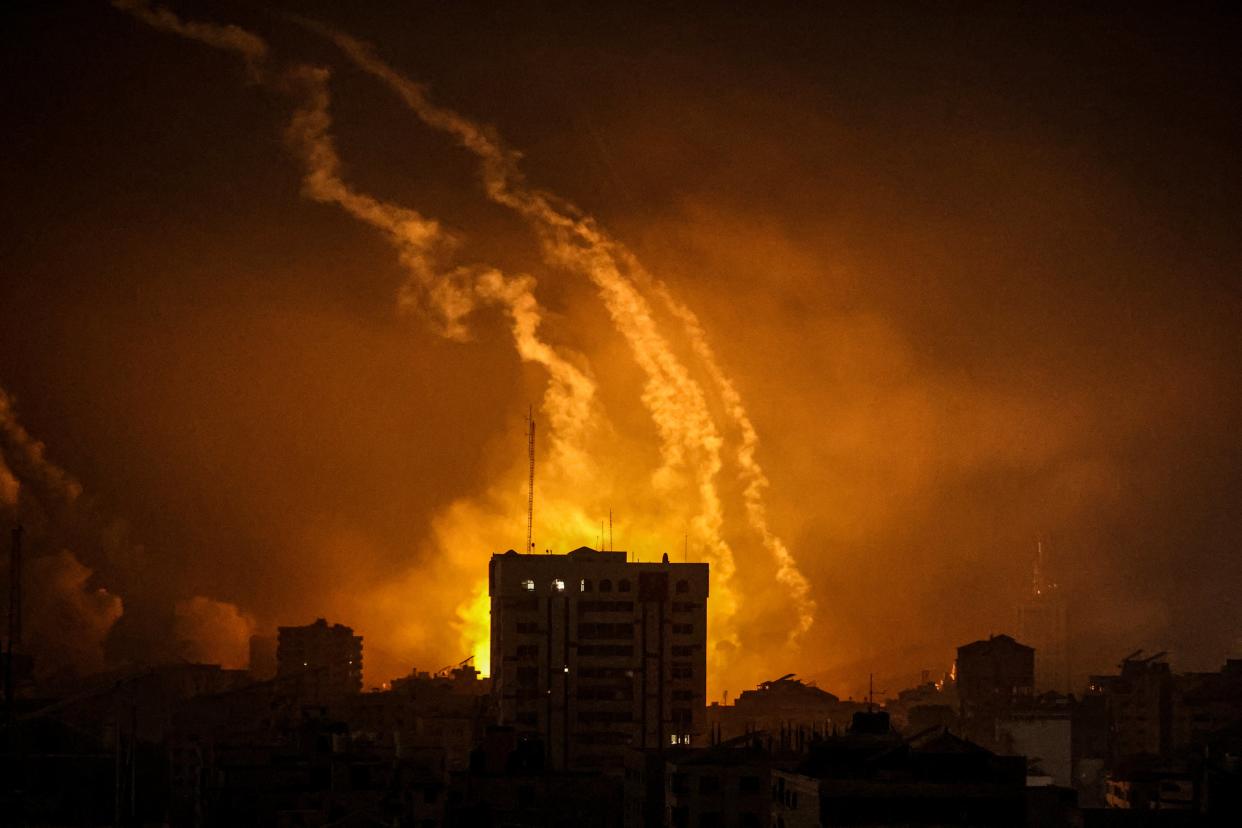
(860, 308)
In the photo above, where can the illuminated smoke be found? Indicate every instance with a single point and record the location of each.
(454, 293)
(232, 38)
(72, 619)
(24, 457)
(689, 437)
(690, 440)
(577, 241)
(213, 632)
(67, 620)
(9, 487)
(754, 481)
(447, 294)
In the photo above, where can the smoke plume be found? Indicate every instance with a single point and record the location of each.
(67, 618)
(213, 632)
(691, 442)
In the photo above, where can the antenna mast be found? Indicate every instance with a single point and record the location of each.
(530, 486)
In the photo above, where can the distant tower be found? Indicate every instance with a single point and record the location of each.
(1042, 624)
(530, 484)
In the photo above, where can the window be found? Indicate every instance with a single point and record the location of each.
(682, 671)
(605, 606)
(528, 627)
(558, 585)
(529, 585)
(605, 673)
(604, 716)
(605, 585)
(622, 631)
(709, 784)
(623, 585)
(605, 650)
(682, 587)
(683, 650)
(683, 629)
(620, 692)
(750, 784)
(528, 652)
(683, 695)
(585, 585)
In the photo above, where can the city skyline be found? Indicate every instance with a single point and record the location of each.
(965, 287)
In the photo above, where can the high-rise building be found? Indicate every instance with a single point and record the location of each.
(597, 654)
(1042, 623)
(321, 661)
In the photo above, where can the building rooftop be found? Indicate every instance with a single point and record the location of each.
(993, 642)
(587, 555)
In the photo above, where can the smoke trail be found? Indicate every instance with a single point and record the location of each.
(751, 473)
(449, 294)
(674, 399)
(455, 292)
(689, 435)
(569, 398)
(251, 47)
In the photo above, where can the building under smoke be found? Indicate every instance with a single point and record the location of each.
(597, 655)
(1042, 623)
(322, 661)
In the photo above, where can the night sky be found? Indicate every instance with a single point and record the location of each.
(974, 278)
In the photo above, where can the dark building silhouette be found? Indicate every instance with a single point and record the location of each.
(781, 703)
(597, 655)
(993, 675)
(725, 785)
(262, 657)
(871, 775)
(1138, 706)
(321, 661)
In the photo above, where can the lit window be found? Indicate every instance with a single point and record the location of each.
(530, 585)
(558, 585)
(584, 586)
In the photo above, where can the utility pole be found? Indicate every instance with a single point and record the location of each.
(15, 619)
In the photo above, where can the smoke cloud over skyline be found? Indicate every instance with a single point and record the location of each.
(858, 344)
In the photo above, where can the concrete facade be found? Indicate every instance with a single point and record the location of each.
(597, 654)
